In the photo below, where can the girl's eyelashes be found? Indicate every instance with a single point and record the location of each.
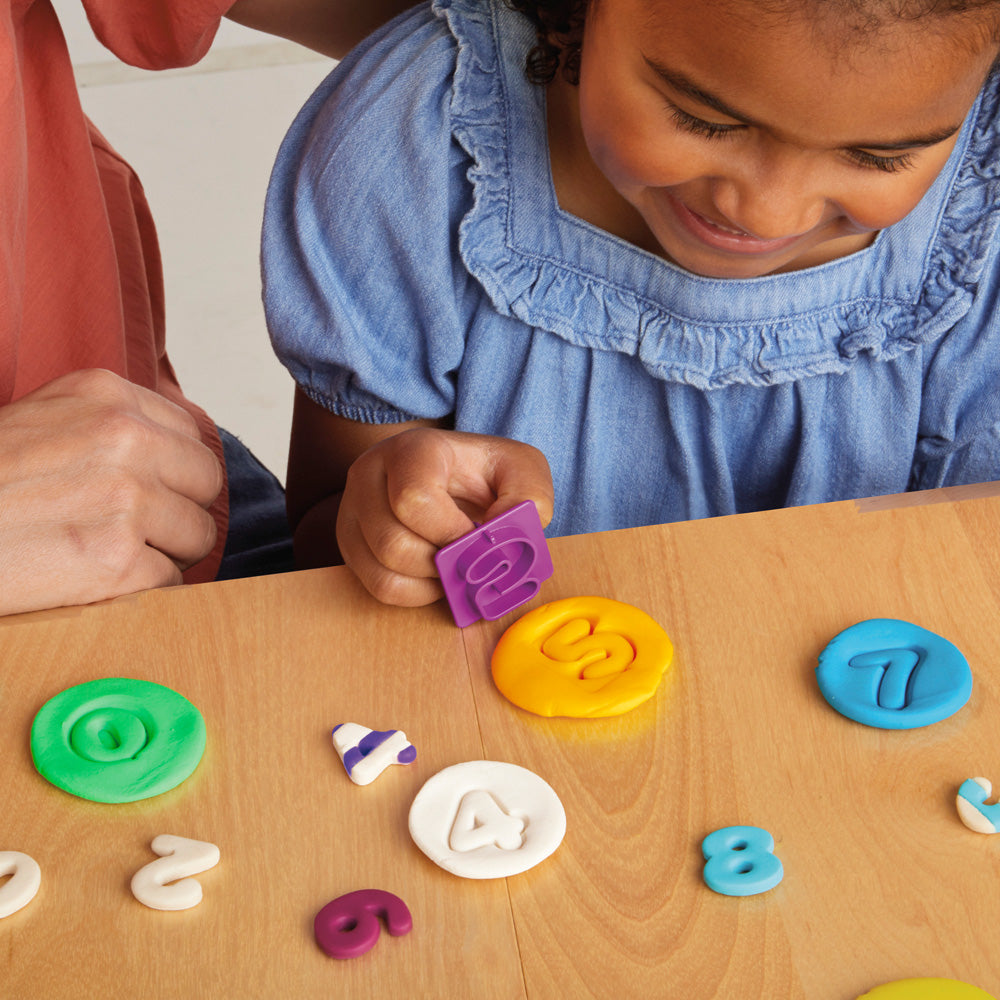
(717, 130)
(710, 130)
(887, 164)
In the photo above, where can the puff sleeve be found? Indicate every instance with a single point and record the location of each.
(365, 297)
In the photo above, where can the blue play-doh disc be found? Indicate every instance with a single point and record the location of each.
(893, 675)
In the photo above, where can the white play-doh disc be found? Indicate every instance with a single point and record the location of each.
(487, 819)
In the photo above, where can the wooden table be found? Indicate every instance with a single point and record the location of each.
(882, 881)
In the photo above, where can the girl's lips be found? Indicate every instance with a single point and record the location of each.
(725, 239)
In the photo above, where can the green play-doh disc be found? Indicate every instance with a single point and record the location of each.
(117, 739)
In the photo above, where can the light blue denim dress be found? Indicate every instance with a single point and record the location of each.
(416, 264)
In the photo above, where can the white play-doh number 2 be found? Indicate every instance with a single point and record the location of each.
(20, 888)
(164, 884)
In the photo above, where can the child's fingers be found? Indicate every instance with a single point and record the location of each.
(366, 510)
(520, 472)
(431, 470)
(384, 584)
(421, 489)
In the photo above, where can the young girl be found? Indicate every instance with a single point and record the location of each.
(703, 257)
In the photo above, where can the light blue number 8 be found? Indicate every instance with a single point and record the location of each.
(739, 861)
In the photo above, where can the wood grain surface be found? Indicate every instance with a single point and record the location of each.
(882, 881)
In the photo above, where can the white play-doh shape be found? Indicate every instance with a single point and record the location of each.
(20, 888)
(487, 819)
(179, 858)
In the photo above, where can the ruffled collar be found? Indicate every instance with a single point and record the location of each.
(553, 271)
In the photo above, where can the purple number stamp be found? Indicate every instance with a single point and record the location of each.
(495, 568)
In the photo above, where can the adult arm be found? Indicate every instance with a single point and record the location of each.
(332, 27)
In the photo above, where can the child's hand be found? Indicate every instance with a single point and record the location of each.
(104, 487)
(410, 494)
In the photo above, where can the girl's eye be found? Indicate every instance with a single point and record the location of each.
(887, 164)
(710, 130)
(716, 130)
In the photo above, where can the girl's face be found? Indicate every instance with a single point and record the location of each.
(739, 146)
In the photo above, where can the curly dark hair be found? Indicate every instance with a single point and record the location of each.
(559, 27)
(559, 24)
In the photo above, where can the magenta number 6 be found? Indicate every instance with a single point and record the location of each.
(349, 925)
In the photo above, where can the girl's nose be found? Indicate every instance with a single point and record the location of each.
(772, 197)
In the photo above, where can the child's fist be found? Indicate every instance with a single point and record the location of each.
(414, 492)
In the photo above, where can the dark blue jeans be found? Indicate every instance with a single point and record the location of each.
(259, 541)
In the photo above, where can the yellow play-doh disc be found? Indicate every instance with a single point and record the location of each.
(926, 989)
(584, 657)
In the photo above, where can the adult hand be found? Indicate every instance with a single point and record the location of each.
(413, 492)
(104, 490)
